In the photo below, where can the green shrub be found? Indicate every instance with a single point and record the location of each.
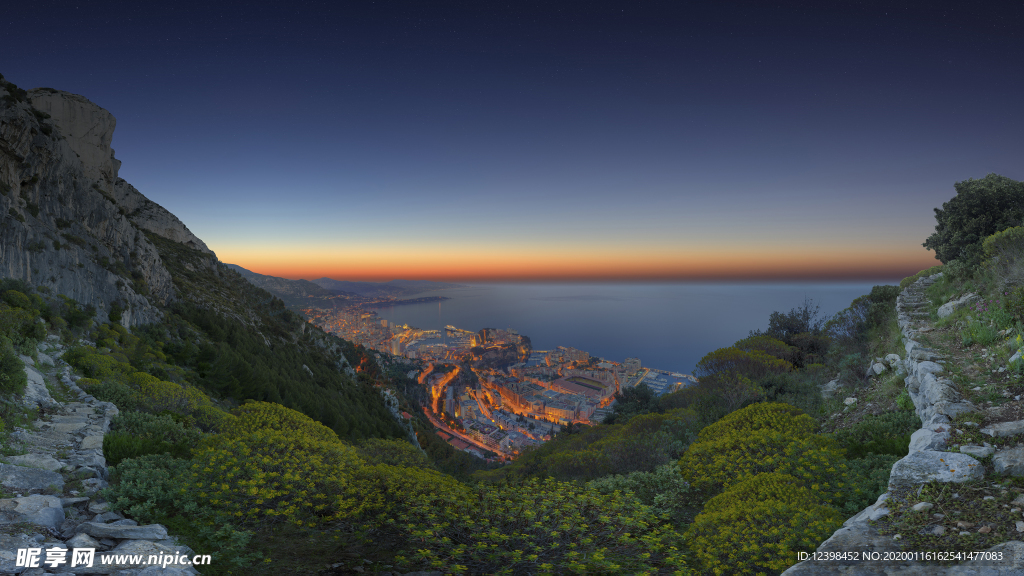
(109, 391)
(536, 527)
(263, 416)
(866, 479)
(12, 371)
(17, 299)
(213, 419)
(875, 427)
(979, 209)
(118, 446)
(16, 215)
(763, 438)
(664, 490)
(759, 525)
(392, 452)
(272, 476)
(148, 487)
(162, 427)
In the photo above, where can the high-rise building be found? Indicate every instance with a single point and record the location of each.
(632, 364)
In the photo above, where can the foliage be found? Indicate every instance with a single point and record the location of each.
(878, 427)
(119, 446)
(537, 527)
(12, 371)
(664, 490)
(160, 426)
(147, 487)
(393, 453)
(759, 525)
(866, 479)
(979, 209)
(763, 438)
(271, 476)
(1004, 253)
(262, 416)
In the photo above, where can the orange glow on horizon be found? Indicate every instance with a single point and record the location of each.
(502, 264)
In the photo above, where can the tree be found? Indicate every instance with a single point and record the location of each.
(979, 209)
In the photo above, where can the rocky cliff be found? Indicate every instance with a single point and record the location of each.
(68, 223)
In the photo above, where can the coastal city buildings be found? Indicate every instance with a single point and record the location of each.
(497, 394)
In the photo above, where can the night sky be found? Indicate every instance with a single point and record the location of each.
(601, 140)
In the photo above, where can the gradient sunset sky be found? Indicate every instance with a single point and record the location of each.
(561, 140)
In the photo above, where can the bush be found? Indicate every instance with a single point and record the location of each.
(979, 209)
(537, 527)
(763, 438)
(119, 446)
(759, 525)
(876, 427)
(213, 419)
(162, 427)
(148, 487)
(866, 479)
(12, 370)
(263, 416)
(392, 453)
(109, 391)
(664, 490)
(17, 299)
(272, 476)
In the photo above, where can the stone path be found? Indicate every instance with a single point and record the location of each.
(51, 488)
(937, 402)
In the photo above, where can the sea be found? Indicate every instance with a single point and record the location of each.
(668, 326)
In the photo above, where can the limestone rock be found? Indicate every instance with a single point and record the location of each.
(100, 530)
(1009, 461)
(20, 478)
(951, 306)
(925, 466)
(9, 546)
(878, 368)
(926, 439)
(1003, 429)
(42, 461)
(36, 394)
(35, 509)
(143, 548)
(977, 451)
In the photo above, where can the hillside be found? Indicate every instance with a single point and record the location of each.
(255, 437)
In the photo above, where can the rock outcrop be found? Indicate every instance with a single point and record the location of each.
(69, 223)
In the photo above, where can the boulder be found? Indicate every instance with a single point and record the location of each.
(927, 439)
(1009, 461)
(21, 478)
(36, 393)
(1003, 429)
(977, 451)
(924, 466)
(42, 461)
(9, 546)
(951, 306)
(35, 509)
(878, 368)
(893, 360)
(101, 530)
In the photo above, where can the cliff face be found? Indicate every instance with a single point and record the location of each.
(67, 221)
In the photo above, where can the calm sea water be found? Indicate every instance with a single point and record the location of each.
(667, 326)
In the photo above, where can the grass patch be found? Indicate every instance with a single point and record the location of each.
(980, 508)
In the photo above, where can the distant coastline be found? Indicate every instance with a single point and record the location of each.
(391, 303)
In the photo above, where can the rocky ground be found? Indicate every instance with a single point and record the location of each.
(955, 503)
(54, 469)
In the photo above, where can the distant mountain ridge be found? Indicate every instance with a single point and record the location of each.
(394, 288)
